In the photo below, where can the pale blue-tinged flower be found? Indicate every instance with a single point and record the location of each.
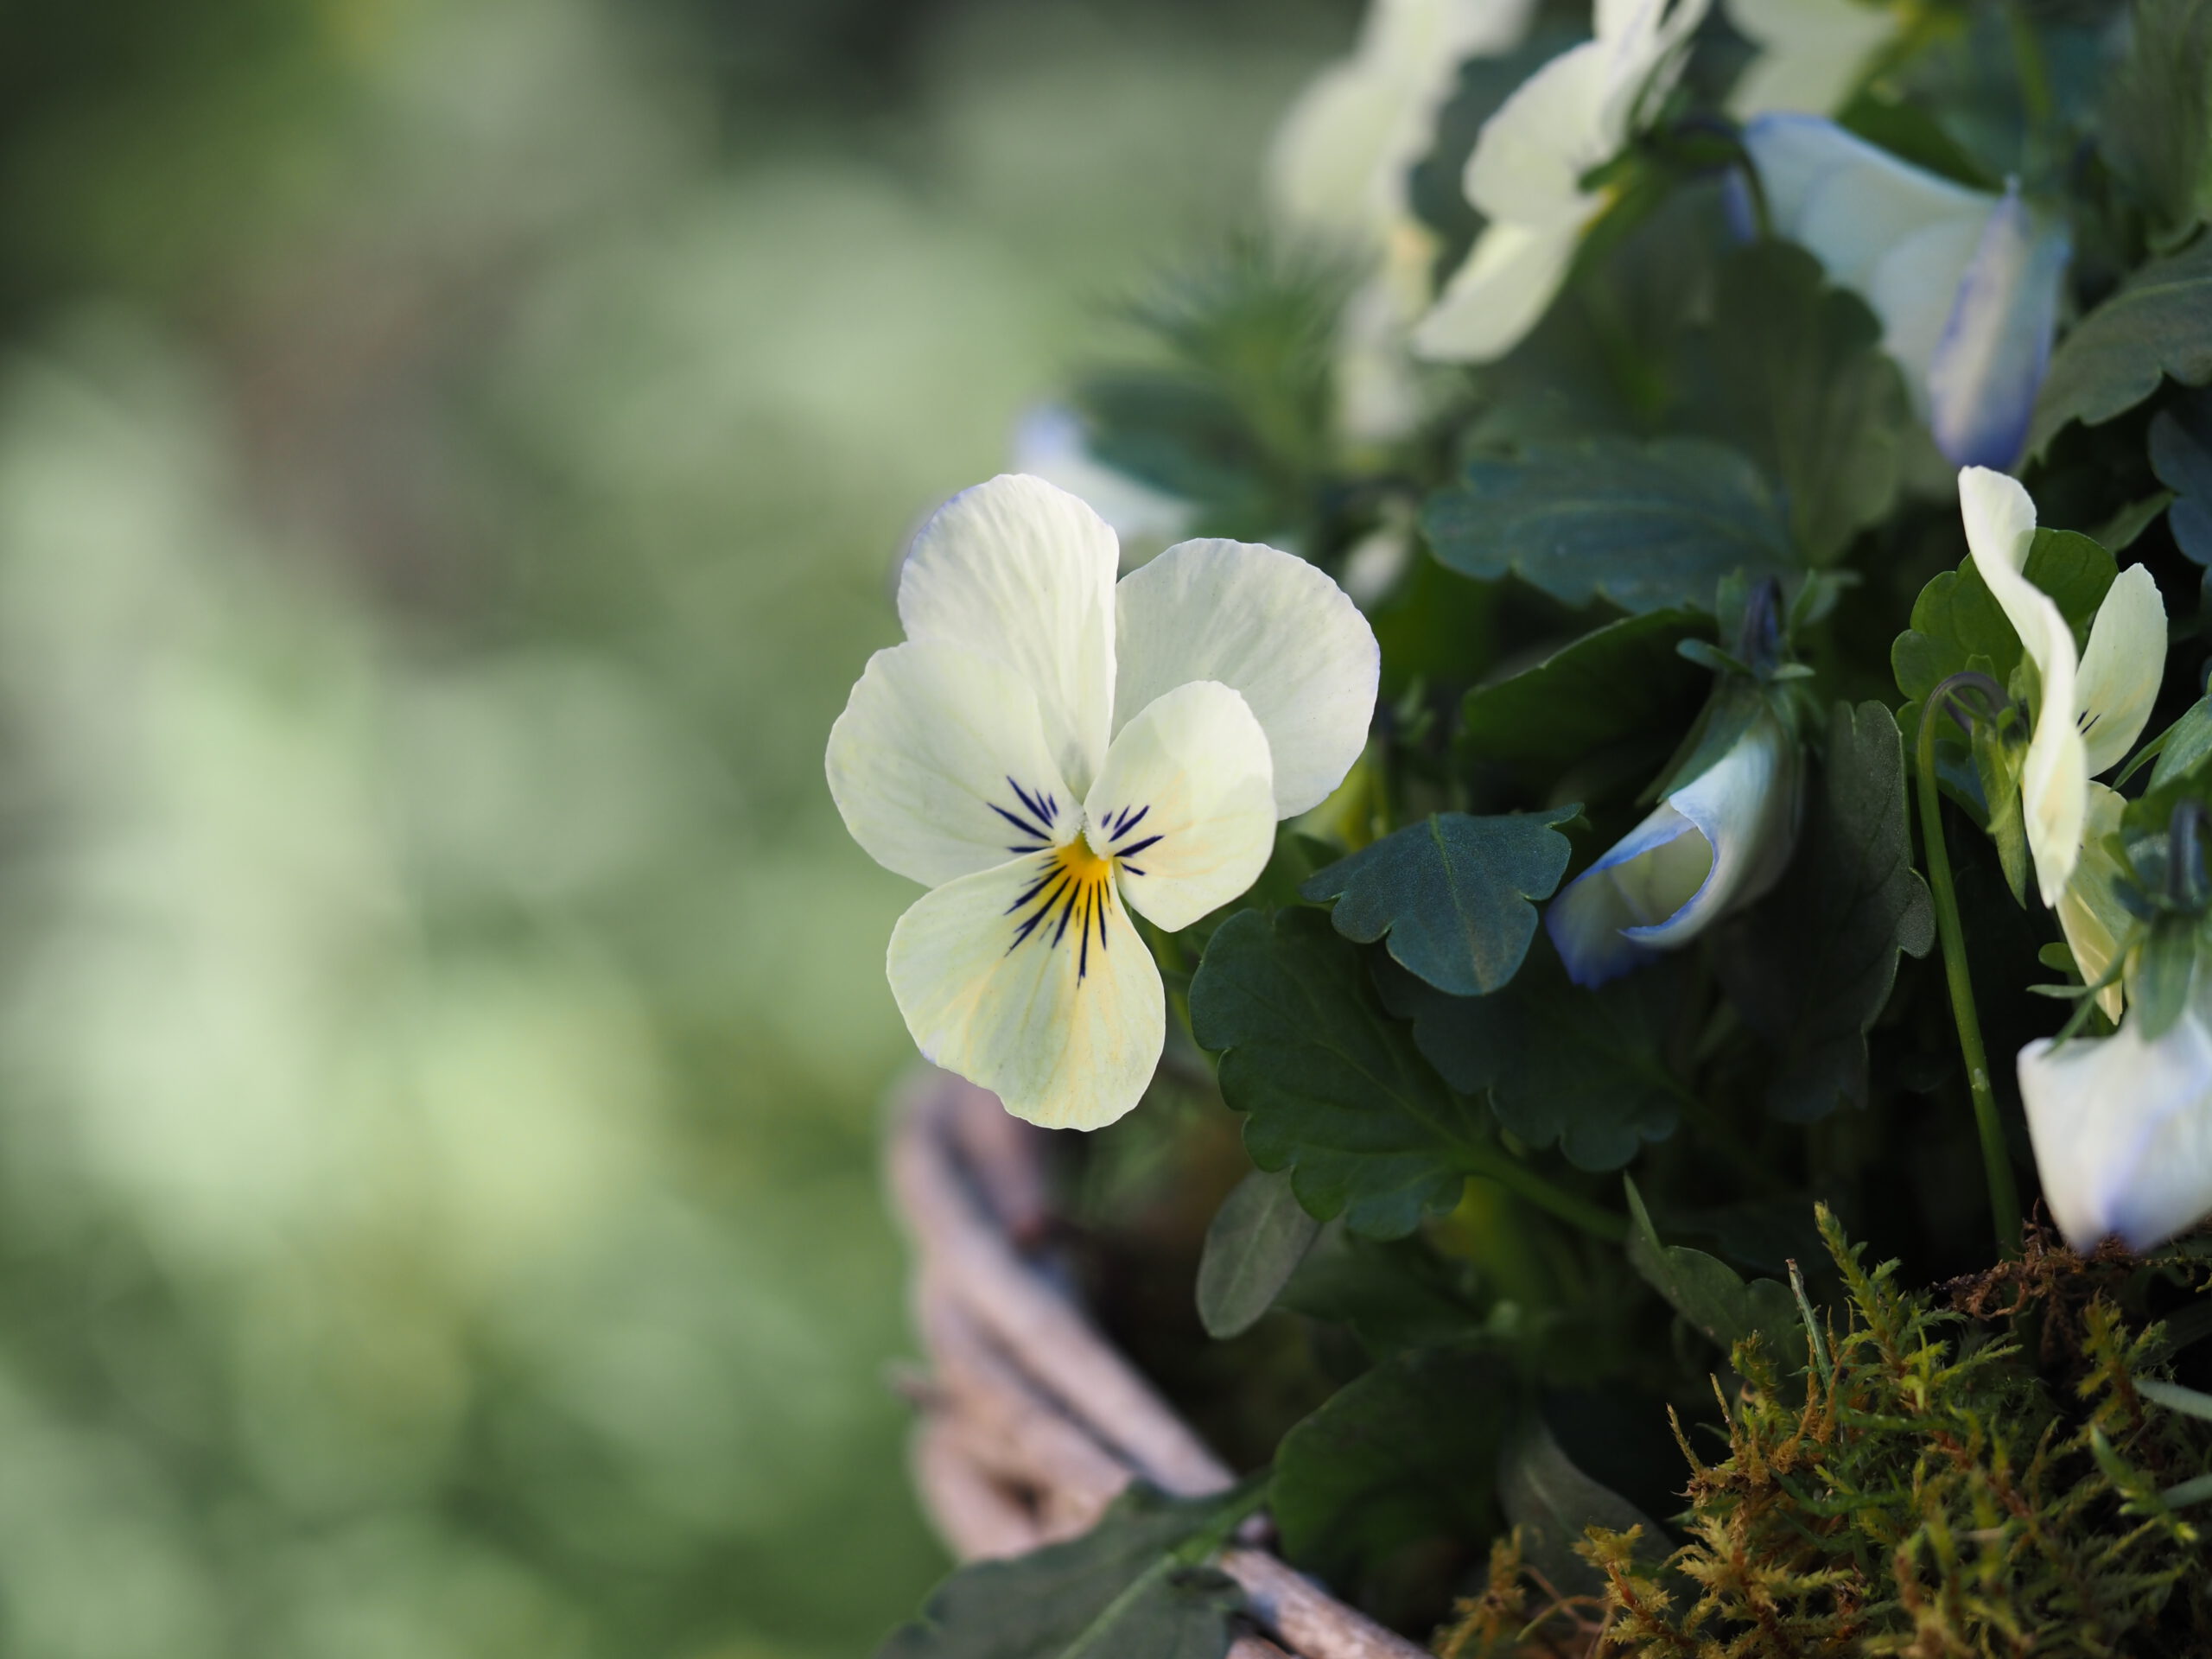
(1050, 749)
(1339, 173)
(2122, 1130)
(1714, 844)
(2089, 711)
(1966, 284)
(1812, 53)
(1525, 175)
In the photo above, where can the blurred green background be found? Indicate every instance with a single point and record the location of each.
(453, 454)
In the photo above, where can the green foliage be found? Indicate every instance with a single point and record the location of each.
(1712, 1296)
(1332, 1088)
(2158, 112)
(1926, 1492)
(1792, 370)
(1644, 527)
(1132, 1585)
(2114, 359)
(1550, 1504)
(1256, 1240)
(1403, 1454)
(1612, 683)
(1957, 624)
(1582, 1070)
(2181, 455)
(1811, 968)
(1451, 893)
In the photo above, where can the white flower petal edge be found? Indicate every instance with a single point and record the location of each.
(1812, 54)
(1966, 284)
(1272, 628)
(1185, 808)
(2122, 1130)
(1527, 170)
(1043, 993)
(1020, 571)
(1713, 846)
(939, 767)
(2093, 920)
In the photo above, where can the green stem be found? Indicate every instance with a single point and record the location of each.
(1493, 1163)
(1996, 1162)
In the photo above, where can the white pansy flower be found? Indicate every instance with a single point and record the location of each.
(1966, 284)
(1340, 173)
(1713, 846)
(2090, 711)
(1049, 443)
(1576, 113)
(1812, 53)
(1050, 750)
(2122, 1130)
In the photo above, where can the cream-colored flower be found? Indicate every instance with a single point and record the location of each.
(1812, 53)
(2089, 711)
(1574, 114)
(1339, 173)
(1050, 750)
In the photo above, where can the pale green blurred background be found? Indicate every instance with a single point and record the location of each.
(452, 457)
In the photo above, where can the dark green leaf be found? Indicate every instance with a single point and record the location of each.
(1792, 370)
(1581, 1068)
(1810, 967)
(2159, 323)
(1393, 1293)
(1452, 893)
(1404, 1454)
(2181, 455)
(1554, 1504)
(1332, 1088)
(1258, 1237)
(1707, 1293)
(1121, 1589)
(2158, 111)
(1605, 687)
(2120, 531)
(2186, 744)
(1646, 526)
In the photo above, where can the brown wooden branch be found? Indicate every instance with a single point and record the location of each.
(1032, 1421)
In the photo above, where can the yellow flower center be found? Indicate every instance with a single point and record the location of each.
(1071, 894)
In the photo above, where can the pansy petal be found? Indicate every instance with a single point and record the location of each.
(1856, 211)
(2090, 911)
(1744, 807)
(939, 767)
(2122, 1131)
(1022, 571)
(1528, 162)
(1812, 54)
(2000, 525)
(1986, 369)
(1271, 627)
(1502, 290)
(2121, 668)
(1030, 981)
(1185, 804)
(2054, 778)
(1645, 877)
(1914, 289)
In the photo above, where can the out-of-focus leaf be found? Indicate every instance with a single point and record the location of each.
(1403, 1454)
(1810, 965)
(2181, 455)
(1393, 1293)
(1258, 1237)
(1554, 1504)
(1333, 1089)
(2185, 745)
(1645, 527)
(1793, 371)
(1606, 686)
(2157, 123)
(1707, 1293)
(1124, 1587)
(1452, 893)
(1562, 1064)
(2153, 326)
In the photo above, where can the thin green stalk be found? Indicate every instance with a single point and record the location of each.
(1494, 1163)
(1997, 1163)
